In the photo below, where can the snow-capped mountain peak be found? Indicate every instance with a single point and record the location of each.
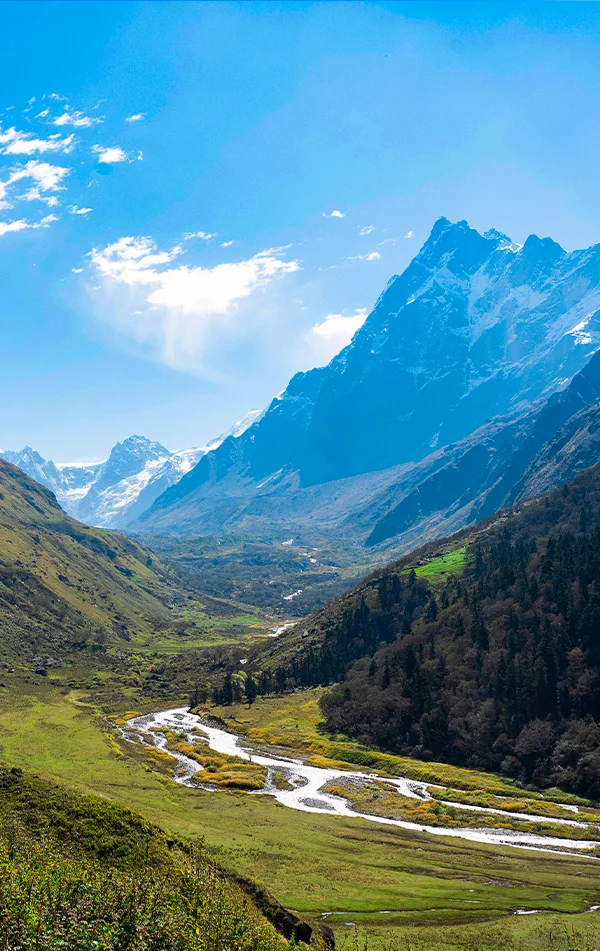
(475, 327)
(113, 492)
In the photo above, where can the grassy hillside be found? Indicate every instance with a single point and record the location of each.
(79, 872)
(93, 586)
(87, 607)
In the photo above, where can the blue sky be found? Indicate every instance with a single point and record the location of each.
(168, 174)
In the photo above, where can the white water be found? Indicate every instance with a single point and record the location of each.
(307, 794)
(280, 628)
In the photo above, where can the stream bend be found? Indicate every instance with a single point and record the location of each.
(307, 780)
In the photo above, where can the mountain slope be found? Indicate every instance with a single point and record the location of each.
(90, 609)
(64, 586)
(507, 460)
(487, 654)
(472, 329)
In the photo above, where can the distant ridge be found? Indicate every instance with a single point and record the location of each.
(114, 492)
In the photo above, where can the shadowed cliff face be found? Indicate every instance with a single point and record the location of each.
(506, 461)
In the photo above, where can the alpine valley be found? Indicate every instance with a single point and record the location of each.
(342, 670)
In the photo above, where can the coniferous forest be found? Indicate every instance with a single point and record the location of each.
(496, 666)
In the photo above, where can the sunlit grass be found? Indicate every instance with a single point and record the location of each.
(439, 569)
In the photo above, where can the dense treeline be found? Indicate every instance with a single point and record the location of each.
(500, 667)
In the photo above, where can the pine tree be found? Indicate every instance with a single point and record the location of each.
(250, 691)
(227, 692)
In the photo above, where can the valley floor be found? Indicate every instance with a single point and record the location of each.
(397, 885)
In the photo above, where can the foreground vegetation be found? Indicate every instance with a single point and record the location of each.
(77, 872)
(92, 625)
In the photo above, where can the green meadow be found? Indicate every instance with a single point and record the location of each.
(398, 886)
(440, 567)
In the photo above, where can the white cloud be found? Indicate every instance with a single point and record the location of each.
(372, 256)
(77, 119)
(334, 214)
(35, 194)
(136, 117)
(110, 155)
(9, 227)
(44, 178)
(366, 230)
(14, 142)
(76, 210)
(171, 306)
(226, 244)
(47, 177)
(336, 332)
(204, 235)
(408, 234)
(43, 114)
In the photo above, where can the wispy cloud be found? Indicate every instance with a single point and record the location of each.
(334, 214)
(9, 227)
(15, 142)
(110, 155)
(136, 117)
(203, 235)
(43, 178)
(408, 234)
(371, 256)
(146, 294)
(29, 169)
(226, 244)
(336, 332)
(368, 229)
(77, 119)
